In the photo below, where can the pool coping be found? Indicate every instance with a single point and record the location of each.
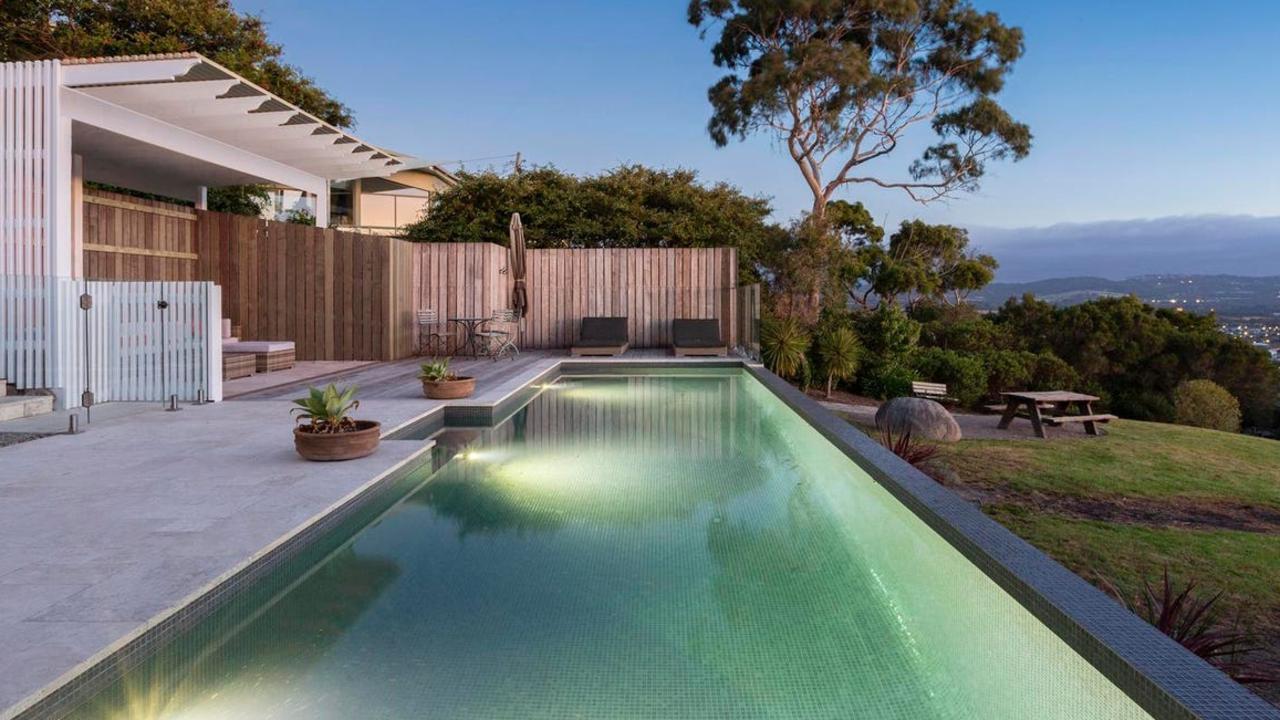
(1161, 676)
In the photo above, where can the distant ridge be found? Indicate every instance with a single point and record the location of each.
(1228, 295)
(1239, 245)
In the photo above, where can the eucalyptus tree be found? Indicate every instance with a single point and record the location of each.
(840, 83)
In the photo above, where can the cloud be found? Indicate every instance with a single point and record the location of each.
(1117, 249)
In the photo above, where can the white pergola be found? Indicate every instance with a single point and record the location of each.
(172, 124)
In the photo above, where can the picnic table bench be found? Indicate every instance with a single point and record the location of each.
(1029, 405)
(931, 391)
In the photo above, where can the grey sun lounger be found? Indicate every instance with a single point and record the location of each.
(602, 336)
(697, 337)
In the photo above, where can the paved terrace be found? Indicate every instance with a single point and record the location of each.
(104, 531)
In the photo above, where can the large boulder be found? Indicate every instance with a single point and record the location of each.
(925, 419)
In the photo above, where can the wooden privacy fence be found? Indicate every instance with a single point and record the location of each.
(347, 296)
(122, 347)
(650, 286)
(128, 238)
(337, 295)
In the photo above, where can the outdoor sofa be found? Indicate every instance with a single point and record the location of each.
(269, 355)
(697, 337)
(602, 336)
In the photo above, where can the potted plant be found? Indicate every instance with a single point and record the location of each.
(329, 432)
(438, 383)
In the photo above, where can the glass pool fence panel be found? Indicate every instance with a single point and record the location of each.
(748, 317)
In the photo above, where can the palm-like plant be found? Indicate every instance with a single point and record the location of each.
(783, 345)
(840, 353)
(328, 410)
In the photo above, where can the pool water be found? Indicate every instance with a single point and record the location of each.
(633, 547)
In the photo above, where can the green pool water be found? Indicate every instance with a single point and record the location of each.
(630, 547)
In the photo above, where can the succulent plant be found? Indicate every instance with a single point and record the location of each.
(328, 410)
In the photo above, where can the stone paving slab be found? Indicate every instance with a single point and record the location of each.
(99, 532)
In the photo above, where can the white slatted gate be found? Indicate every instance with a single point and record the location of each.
(123, 348)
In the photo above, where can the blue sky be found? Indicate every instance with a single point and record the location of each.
(1140, 109)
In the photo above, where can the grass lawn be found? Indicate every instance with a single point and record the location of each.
(1134, 459)
(1123, 506)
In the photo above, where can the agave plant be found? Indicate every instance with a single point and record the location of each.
(915, 452)
(1191, 617)
(435, 371)
(783, 344)
(328, 410)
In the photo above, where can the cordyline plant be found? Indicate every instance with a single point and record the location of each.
(1191, 617)
(784, 346)
(915, 452)
(328, 410)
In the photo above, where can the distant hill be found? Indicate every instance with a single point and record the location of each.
(1228, 295)
(1199, 244)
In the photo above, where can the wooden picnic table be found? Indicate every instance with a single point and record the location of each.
(1060, 401)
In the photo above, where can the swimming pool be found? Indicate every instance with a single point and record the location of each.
(643, 546)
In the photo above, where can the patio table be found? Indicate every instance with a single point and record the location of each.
(470, 326)
(1060, 400)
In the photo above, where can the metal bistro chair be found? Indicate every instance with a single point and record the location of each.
(499, 335)
(431, 339)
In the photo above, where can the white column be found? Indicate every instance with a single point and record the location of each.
(77, 215)
(59, 180)
(202, 202)
(357, 191)
(322, 205)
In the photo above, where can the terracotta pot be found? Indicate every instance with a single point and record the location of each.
(338, 446)
(454, 389)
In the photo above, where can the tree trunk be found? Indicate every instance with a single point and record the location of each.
(819, 211)
(829, 379)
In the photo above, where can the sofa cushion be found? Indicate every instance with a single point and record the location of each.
(696, 333)
(603, 331)
(257, 346)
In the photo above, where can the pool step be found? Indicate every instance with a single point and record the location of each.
(13, 407)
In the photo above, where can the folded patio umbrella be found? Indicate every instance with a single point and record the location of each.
(519, 293)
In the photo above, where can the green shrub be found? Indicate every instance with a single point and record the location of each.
(964, 373)
(784, 345)
(977, 334)
(888, 381)
(1206, 404)
(1008, 370)
(1148, 405)
(1050, 372)
(300, 216)
(888, 333)
(839, 354)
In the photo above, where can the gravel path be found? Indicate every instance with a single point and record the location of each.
(13, 438)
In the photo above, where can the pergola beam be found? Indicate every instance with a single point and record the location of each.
(127, 72)
(90, 110)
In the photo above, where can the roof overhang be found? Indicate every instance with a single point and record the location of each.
(191, 105)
